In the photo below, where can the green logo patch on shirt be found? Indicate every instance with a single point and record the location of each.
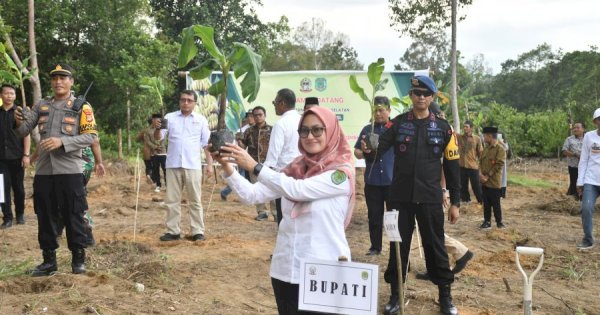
(338, 177)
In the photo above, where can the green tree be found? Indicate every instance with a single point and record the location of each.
(107, 42)
(428, 51)
(413, 17)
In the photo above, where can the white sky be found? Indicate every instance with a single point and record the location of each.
(499, 29)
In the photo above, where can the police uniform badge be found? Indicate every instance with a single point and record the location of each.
(87, 122)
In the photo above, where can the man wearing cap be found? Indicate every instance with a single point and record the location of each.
(378, 175)
(14, 158)
(66, 126)
(310, 102)
(588, 181)
(470, 152)
(420, 140)
(491, 163)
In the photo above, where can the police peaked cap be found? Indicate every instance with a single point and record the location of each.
(421, 81)
(492, 130)
(62, 69)
(311, 101)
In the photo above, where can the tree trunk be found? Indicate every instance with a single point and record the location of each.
(120, 144)
(453, 89)
(128, 123)
(35, 78)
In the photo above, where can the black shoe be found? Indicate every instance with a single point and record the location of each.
(6, 224)
(445, 297)
(373, 252)
(223, 197)
(20, 220)
(78, 261)
(198, 237)
(47, 267)
(170, 237)
(461, 263)
(392, 306)
(486, 225)
(89, 239)
(501, 225)
(422, 276)
(262, 217)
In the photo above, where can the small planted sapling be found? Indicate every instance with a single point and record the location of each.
(240, 59)
(374, 74)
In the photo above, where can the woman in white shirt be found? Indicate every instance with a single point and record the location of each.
(317, 191)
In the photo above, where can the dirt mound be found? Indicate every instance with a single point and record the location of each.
(130, 261)
(565, 204)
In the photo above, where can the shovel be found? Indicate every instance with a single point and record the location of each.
(528, 281)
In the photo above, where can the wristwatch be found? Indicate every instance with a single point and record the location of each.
(257, 169)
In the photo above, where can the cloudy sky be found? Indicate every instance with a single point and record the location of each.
(498, 29)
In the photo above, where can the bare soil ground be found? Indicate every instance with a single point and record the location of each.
(228, 272)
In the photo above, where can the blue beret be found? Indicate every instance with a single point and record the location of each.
(421, 81)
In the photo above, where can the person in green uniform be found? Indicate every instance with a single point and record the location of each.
(491, 163)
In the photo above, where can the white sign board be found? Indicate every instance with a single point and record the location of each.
(390, 222)
(338, 287)
(2, 188)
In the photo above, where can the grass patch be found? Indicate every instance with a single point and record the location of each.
(12, 269)
(519, 180)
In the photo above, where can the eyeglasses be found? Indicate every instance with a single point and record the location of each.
(316, 131)
(275, 102)
(186, 100)
(419, 93)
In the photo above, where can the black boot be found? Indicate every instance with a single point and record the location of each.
(446, 306)
(48, 266)
(78, 261)
(392, 306)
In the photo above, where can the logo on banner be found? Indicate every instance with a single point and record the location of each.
(305, 85)
(321, 84)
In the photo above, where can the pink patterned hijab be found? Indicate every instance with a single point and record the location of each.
(337, 155)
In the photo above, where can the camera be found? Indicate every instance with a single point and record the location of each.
(164, 123)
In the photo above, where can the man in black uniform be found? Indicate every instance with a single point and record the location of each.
(420, 140)
(66, 126)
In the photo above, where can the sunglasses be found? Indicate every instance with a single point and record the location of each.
(316, 131)
(420, 93)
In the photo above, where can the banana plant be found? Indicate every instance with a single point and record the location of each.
(240, 58)
(15, 74)
(156, 85)
(374, 74)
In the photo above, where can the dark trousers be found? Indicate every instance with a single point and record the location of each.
(158, 162)
(279, 213)
(573, 172)
(148, 166)
(286, 297)
(466, 175)
(56, 196)
(491, 200)
(13, 178)
(430, 218)
(376, 198)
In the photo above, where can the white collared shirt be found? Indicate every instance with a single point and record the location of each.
(317, 234)
(589, 163)
(187, 136)
(283, 145)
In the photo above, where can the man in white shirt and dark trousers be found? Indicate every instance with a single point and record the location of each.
(188, 134)
(588, 181)
(283, 145)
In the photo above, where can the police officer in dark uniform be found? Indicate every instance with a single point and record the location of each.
(66, 126)
(420, 140)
